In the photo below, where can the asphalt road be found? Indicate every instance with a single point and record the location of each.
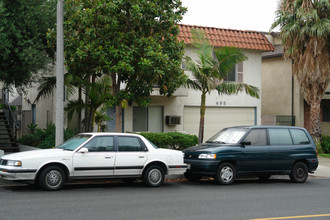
(246, 199)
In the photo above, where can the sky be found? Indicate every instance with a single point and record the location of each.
(254, 15)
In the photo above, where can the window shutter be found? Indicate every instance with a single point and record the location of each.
(240, 72)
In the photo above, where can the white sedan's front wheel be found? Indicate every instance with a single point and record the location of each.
(153, 176)
(52, 178)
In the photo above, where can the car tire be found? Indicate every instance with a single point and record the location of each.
(153, 176)
(192, 177)
(264, 177)
(299, 173)
(226, 174)
(52, 178)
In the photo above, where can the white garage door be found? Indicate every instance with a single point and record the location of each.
(216, 118)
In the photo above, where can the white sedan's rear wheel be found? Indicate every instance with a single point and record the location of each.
(153, 176)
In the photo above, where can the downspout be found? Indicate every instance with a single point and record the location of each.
(292, 97)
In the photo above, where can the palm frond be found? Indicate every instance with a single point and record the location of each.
(232, 88)
(46, 88)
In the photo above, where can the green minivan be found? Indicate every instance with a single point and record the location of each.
(259, 151)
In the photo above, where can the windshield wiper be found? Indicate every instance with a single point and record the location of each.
(217, 142)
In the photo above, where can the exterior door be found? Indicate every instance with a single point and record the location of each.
(255, 156)
(98, 161)
(130, 157)
(282, 149)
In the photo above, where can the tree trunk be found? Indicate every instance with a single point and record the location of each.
(79, 112)
(118, 111)
(118, 118)
(315, 118)
(202, 118)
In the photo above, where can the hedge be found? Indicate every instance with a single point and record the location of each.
(43, 138)
(325, 144)
(173, 140)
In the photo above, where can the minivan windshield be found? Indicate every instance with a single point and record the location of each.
(228, 136)
(73, 142)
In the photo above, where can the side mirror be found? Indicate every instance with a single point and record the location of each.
(243, 143)
(83, 150)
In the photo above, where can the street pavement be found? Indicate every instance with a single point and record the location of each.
(323, 170)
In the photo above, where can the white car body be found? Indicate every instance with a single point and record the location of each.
(81, 163)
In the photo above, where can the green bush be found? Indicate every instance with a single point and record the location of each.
(43, 138)
(161, 140)
(325, 144)
(174, 140)
(182, 141)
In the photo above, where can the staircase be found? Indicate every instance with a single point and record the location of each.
(7, 134)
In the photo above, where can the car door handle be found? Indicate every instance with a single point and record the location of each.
(141, 156)
(108, 157)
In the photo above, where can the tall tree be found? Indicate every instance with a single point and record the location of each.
(133, 41)
(23, 44)
(305, 35)
(210, 71)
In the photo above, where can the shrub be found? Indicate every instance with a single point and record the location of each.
(44, 138)
(325, 144)
(182, 141)
(174, 140)
(161, 140)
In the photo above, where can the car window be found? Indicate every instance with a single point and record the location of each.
(129, 144)
(299, 136)
(100, 144)
(257, 137)
(279, 136)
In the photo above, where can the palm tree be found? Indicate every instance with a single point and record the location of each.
(98, 93)
(305, 35)
(211, 70)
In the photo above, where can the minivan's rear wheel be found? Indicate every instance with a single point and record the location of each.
(153, 176)
(52, 178)
(299, 173)
(226, 174)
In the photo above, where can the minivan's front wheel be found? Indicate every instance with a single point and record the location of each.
(299, 173)
(226, 174)
(153, 176)
(52, 178)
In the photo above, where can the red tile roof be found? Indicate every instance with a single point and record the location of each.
(220, 37)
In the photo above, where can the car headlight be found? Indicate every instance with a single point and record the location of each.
(14, 163)
(207, 156)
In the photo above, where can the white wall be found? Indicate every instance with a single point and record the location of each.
(175, 104)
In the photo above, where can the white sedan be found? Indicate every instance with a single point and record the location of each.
(94, 156)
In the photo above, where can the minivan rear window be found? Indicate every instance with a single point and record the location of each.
(299, 136)
(279, 136)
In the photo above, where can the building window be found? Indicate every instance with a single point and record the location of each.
(148, 119)
(236, 74)
(326, 113)
(231, 76)
(34, 113)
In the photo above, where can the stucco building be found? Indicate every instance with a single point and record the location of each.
(282, 100)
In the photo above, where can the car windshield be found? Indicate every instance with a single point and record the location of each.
(73, 142)
(228, 136)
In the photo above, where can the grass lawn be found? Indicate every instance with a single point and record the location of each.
(325, 155)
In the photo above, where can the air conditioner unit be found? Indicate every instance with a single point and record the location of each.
(173, 120)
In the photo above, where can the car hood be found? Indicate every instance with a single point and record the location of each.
(205, 148)
(44, 153)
